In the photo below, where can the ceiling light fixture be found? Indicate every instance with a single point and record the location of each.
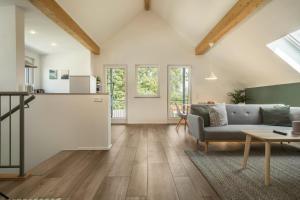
(212, 75)
(53, 44)
(32, 32)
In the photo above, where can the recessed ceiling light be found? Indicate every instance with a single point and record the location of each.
(32, 32)
(53, 44)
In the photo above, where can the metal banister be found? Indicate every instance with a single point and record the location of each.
(16, 108)
(9, 149)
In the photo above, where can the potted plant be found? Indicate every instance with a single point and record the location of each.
(238, 96)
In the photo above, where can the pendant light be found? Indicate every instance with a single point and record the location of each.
(212, 75)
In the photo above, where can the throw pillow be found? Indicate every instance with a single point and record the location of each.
(276, 116)
(218, 115)
(202, 111)
(295, 114)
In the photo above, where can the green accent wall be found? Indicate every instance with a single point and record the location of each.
(288, 94)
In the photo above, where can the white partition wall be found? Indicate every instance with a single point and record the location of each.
(12, 48)
(56, 122)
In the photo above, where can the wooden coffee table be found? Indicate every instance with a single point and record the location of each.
(267, 137)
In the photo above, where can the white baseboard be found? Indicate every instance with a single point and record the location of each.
(95, 148)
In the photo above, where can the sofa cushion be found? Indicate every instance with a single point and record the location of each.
(201, 110)
(276, 116)
(234, 132)
(243, 114)
(246, 113)
(218, 115)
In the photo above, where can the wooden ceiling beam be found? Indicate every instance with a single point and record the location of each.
(147, 5)
(57, 14)
(236, 14)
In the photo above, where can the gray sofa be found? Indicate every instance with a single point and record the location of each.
(240, 117)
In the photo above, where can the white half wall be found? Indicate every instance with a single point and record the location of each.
(149, 40)
(65, 122)
(77, 62)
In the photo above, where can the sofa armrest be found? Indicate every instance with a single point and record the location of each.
(196, 126)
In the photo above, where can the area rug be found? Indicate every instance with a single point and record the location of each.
(223, 171)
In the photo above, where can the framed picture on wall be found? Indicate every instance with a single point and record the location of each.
(64, 74)
(52, 74)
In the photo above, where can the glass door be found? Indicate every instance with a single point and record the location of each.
(115, 79)
(179, 89)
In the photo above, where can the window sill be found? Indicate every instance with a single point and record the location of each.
(147, 97)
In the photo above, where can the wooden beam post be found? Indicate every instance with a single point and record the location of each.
(57, 14)
(236, 14)
(147, 5)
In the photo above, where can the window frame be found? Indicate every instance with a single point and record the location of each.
(287, 48)
(169, 67)
(137, 95)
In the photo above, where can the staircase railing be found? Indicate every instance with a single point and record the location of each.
(6, 101)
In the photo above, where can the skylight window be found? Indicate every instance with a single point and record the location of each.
(288, 49)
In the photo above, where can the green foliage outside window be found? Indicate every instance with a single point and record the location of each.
(148, 85)
(147, 81)
(115, 86)
(179, 91)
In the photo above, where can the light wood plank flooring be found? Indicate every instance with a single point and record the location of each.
(145, 162)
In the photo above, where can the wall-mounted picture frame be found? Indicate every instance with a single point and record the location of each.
(64, 74)
(53, 74)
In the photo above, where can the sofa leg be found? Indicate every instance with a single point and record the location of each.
(206, 146)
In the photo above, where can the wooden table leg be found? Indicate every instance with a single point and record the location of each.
(246, 151)
(267, 162)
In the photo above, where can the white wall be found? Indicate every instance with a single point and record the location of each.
(78, 63)
(149, 40)
(37, 71)
(63, 122)
(12, 48)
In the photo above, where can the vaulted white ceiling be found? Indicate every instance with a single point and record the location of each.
(47, 32)
(102, 18)
(192, 19)
(242, 51)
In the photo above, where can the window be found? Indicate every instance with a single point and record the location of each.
(179, 89)
(115, 79)
(29, 76)
(147, 81)
(288, 49)
(29, 71)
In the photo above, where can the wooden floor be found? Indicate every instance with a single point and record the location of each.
(145, 162)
